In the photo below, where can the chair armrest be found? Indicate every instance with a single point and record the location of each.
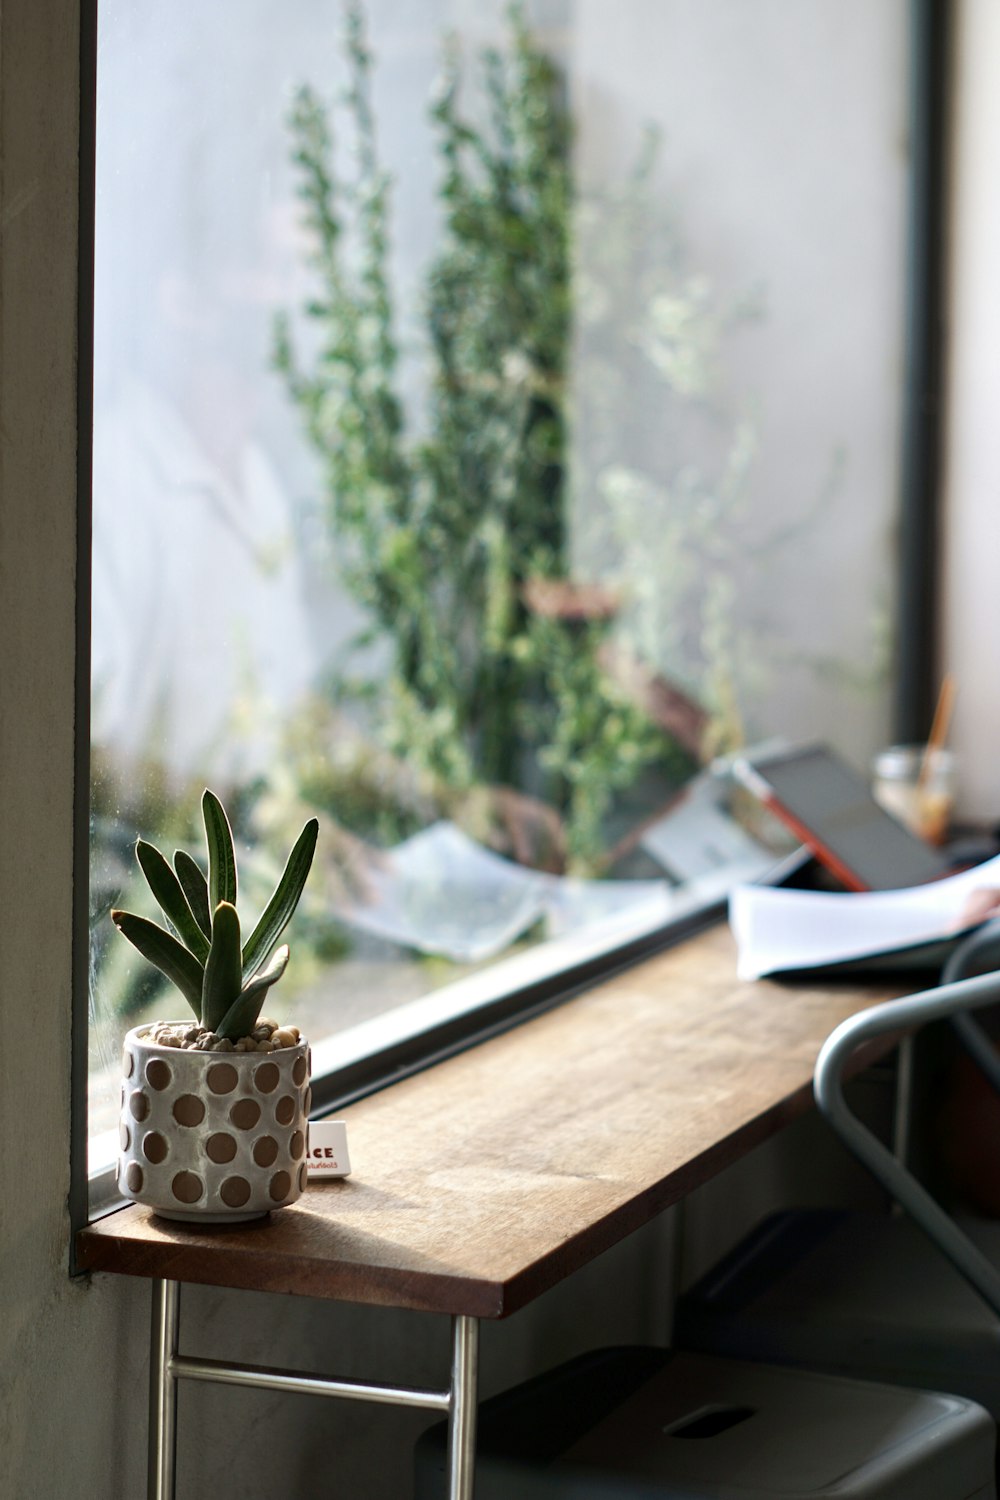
(945, 1002)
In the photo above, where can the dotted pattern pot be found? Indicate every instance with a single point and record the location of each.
(216, 1137)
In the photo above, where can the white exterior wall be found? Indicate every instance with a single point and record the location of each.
(783, 173)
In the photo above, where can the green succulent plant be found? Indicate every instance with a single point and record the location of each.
(223, 978)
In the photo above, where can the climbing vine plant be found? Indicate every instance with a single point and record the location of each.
(455, 539)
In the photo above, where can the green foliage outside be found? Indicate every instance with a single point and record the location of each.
(454, 541)
(512, 703)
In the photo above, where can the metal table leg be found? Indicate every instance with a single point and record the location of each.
(463, 1409)
(163, 1390)
(167, 1367)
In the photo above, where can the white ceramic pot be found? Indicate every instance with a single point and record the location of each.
(213, 1136)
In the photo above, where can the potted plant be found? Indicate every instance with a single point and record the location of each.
(214, 1112)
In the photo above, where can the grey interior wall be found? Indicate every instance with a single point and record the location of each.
(69, 1353)
(73, 1353)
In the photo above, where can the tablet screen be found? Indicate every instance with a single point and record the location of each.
(832, 810)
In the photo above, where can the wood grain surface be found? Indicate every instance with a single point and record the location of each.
(485, 1180)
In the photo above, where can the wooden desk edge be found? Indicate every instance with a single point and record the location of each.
(339, 1262)
(184, 1256)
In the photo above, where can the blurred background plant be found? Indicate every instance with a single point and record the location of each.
(547, 628)
(517, 474)
(454, 541)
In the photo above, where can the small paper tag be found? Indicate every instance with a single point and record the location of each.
(327, 1151)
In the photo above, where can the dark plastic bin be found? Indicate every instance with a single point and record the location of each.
(634, 1424)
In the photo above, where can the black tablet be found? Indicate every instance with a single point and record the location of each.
(830, 808)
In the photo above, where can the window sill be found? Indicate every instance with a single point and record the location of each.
(364, 1058)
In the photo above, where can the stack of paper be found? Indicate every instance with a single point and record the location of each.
(780, 930)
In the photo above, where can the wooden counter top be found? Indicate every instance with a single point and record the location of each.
(490, 1177)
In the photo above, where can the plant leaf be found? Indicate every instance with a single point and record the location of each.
(173, 903)
(195, 888)
(165, 952)
(241, 1018)
(221, 856)
(224, 970)
(279, 909)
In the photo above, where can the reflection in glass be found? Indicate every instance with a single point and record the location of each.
(496, 418)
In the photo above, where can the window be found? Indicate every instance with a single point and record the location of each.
(497, 415)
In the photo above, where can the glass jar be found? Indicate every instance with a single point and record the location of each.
(921, 799)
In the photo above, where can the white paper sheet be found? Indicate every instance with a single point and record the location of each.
(440, 892)
(778, 929)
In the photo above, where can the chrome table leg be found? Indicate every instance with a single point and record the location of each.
(163, 1390)
(464, 1396)
(167, 1366)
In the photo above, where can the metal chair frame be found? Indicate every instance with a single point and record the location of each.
(952, 1000)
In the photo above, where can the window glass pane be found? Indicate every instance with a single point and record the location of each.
(496, 417)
